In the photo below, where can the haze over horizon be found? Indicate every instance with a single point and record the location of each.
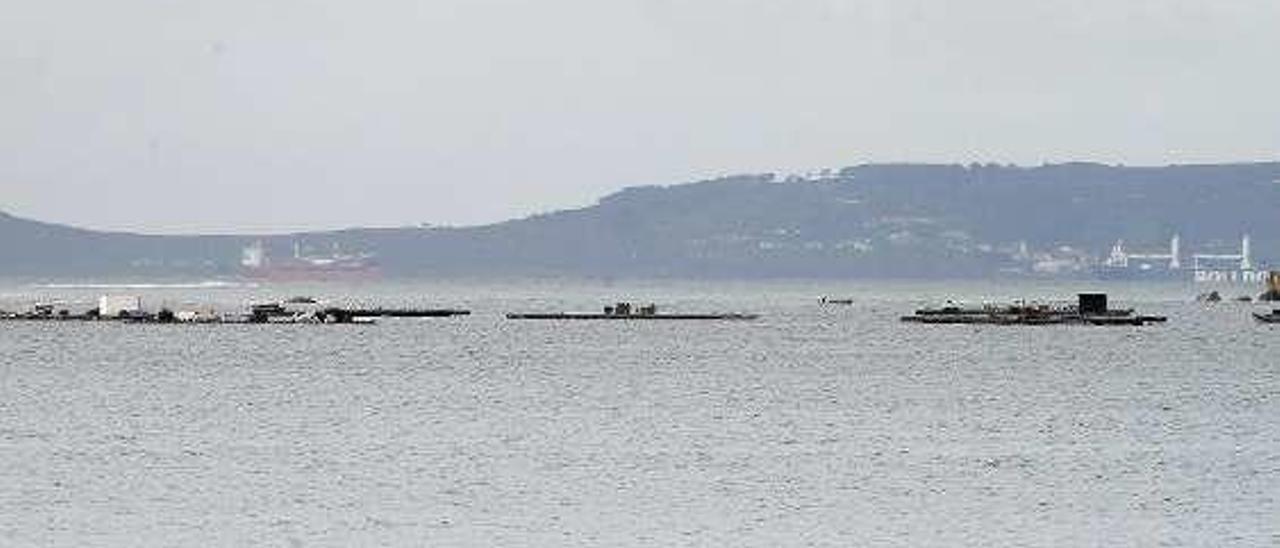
(247, 117)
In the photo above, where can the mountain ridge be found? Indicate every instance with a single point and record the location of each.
(871, 220)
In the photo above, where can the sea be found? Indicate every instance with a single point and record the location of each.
(816, 425)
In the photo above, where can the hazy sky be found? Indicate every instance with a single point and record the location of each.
(180, 116)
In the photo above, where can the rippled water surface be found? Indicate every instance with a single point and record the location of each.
(823, 426)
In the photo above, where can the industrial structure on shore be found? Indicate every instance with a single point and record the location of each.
(1240, 267)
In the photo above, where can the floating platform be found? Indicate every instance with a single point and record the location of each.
(1019, 318)
(1091, 310)
(275, 312)
(293, 311)
(366, 315)
(590, 316)
(627, 311)
(404, 312)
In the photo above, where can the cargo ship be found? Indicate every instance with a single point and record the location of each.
(257, 264)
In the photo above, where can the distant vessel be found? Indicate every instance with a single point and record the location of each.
(256, 264)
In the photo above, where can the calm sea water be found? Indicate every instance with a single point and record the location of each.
(815, 426)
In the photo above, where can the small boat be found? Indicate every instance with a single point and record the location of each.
(1272, 317)
(839, 301)
(1210, 297)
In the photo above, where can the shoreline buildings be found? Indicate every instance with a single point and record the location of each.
(1238, 267)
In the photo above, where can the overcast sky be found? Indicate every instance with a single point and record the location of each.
(245, 115)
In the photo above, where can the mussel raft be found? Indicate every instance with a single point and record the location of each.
(278, 313)
(629, 311)
(1091, 310)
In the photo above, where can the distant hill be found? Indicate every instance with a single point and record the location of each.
(863, 221)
